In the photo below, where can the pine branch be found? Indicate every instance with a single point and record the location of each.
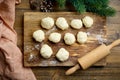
(99, 7)
(106, 11)
(93, 2)
(61, 3)
(96, 3)
(79, 5)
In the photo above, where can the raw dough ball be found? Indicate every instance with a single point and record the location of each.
(76, 23)
(62, 54)
(55, 37)
(87, 21)
(82, 37)
(39, 35)
(69, 38)
(46, 51)
(47, 22)
(62, 23)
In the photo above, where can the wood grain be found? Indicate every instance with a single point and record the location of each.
(32, 23)
(110, 72)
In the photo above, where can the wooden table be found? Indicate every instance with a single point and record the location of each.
(110, 72)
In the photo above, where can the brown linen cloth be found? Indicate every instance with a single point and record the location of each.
(11, 67)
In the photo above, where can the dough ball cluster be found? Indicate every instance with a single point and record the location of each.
(61, 23)
(55, 37)
(47, 22)
(46, 51)
(39, 35)
(62, 54)
(87, 21)
(69, 38)
(81, 37)
(76, 24)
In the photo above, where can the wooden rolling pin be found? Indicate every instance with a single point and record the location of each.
(92, 57)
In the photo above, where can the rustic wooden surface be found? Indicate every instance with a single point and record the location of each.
(110, 72)
(31, 47)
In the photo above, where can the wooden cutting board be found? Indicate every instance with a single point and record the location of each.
(32, 56)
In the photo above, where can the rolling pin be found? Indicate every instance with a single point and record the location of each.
(92, 57)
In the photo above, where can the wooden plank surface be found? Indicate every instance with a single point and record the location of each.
(32, 23)
(110, 72)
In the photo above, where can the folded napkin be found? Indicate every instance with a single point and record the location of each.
(11, 67)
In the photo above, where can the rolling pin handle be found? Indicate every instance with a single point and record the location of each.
(113, 44)
(73, 69)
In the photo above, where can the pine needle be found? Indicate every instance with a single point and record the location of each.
(99, 7)
(106, 11)
(79, 5)
(61, 3)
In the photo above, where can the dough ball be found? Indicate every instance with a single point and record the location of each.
(39, 35)
(82, 37)
(47, 22)
(62, 23)
(55, 37)
(62, 54)
(76, 23)
(69, 38)
(46, 51)
(87, 21)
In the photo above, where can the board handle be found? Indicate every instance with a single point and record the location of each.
(113, 44)
(73, 69)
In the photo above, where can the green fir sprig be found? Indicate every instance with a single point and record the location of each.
(79, 7)
(99, 7)
(61, 3)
